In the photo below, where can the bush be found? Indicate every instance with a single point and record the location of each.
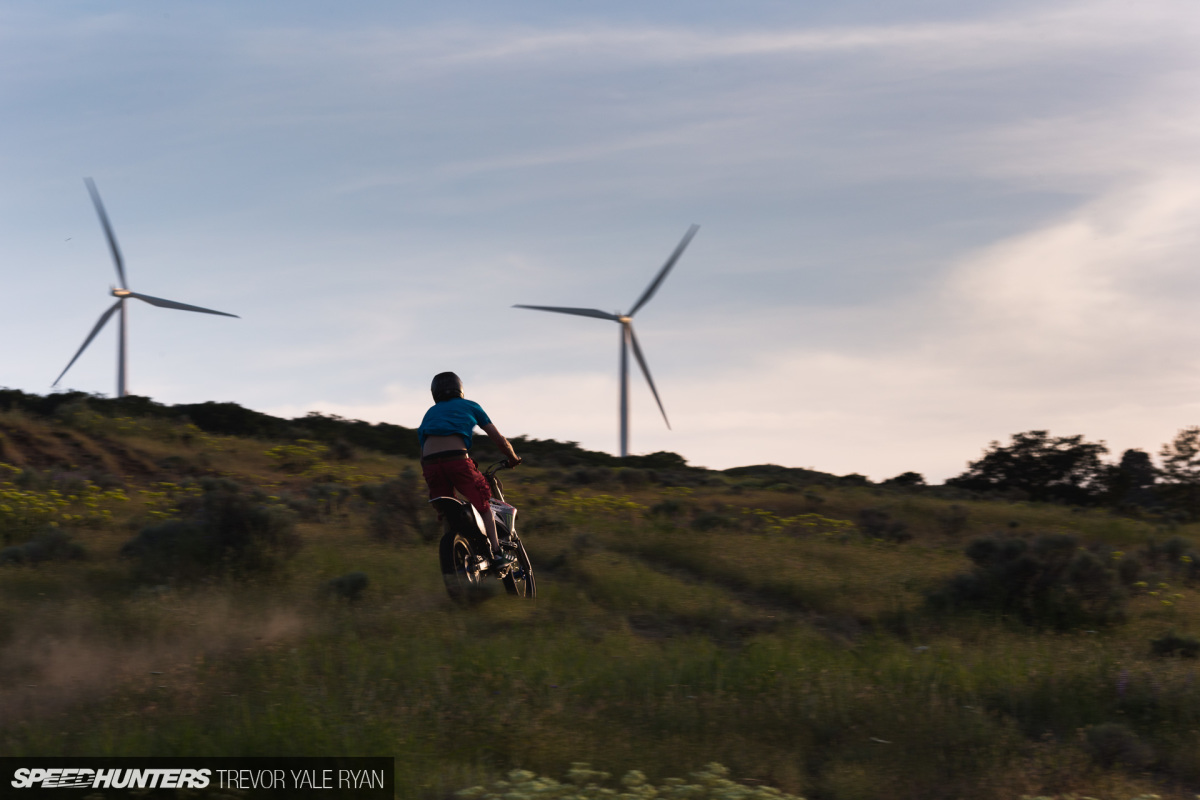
(1172, 644)
(51, 545)
(398, 509)
(588, 476)
(543, 521)
(298, 456)
(953, 520)
(906, 480)
(348, 587)
(1176, 557)
(632, 477)
(222, 530)
(328, 497)
(667, 508)
(1050, 582)
(1167, 552)
(878, 524)
(341, 450)
(1111, 744)
(711, 520)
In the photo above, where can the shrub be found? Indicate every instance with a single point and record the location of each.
(329, 497)
(52, 544)
(632, 477)
(1167, 552)
(1129, 571)
(544, 521)
(587, 476)
(711, 520)
(31, 501)
(305, 508)
(222, 530)
(1050, 582)
(667, 508)
(348, 587)
(953, 520)
(906, 480)
(1176, 555)
(398, 509)
(301, 455)
(1172, 644)
(1111, 744)
(341, 450)
(878, 524)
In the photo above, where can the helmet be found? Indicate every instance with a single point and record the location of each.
(446, 386)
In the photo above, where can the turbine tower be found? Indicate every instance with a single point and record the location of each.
(122, 294)
(628, 339)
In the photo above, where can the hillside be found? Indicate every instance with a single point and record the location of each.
(804, 630)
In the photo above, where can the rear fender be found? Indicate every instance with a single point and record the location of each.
(459, 516)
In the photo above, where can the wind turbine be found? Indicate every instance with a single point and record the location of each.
(627, 337)
(122, 294)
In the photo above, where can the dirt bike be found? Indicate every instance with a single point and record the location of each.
(464, 550)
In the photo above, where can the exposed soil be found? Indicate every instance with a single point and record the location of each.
(66, 449)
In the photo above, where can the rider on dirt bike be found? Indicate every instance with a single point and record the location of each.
(445, 436)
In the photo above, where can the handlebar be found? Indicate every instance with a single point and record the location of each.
(499, 465)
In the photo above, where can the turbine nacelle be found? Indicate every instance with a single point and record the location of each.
(628, 339)
(122, 294)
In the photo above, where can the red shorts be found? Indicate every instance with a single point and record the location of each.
(443, 477)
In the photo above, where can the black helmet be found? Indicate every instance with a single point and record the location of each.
(446, 386)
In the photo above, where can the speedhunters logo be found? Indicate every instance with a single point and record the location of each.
(84, 778)
(148, 778)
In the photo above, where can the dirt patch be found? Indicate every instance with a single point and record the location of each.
(65, 449)
(47, 673)
(24, 448)
(130, 462)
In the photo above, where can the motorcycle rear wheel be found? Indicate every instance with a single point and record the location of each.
(457, 557)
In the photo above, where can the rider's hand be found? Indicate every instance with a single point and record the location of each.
(512, 462)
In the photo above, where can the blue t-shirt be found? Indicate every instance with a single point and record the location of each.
(455, 417)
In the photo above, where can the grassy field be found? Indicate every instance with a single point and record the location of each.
(674, 626)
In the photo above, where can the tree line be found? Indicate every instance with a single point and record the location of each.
(231, 419)
(1033, 466)
(1067, 469)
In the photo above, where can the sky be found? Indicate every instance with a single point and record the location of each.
(924, 225)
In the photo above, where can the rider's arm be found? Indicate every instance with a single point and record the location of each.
(501, 442)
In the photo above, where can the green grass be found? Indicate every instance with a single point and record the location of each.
(801, 659)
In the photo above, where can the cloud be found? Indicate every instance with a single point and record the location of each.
(1098, 287)
(1053, 32)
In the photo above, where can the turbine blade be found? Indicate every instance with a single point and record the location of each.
(108, 231)
(103, 319)
(583, 312)
(662, 273)
(158, 301)
(637, 352)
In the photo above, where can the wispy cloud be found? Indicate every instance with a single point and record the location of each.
(1054, 32)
